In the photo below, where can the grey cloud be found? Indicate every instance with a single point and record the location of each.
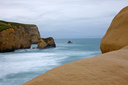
(58, 18)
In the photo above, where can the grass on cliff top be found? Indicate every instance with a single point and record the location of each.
(16, 24)
(19, 24)
(4, 25)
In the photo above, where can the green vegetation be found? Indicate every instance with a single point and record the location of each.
(4, 28)
(5, 25)
(19, 24)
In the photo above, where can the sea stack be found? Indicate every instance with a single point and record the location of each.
(41, 43)
(116, 36)
(69, 42)
(50, 42)
(46, 43)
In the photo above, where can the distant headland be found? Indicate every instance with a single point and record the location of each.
(20, 36)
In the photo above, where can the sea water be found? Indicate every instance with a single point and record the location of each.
(21, 66)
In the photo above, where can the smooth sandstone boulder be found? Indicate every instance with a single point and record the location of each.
(116, 36)
(106, 69)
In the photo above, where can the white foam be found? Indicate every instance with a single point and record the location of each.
(22, 62)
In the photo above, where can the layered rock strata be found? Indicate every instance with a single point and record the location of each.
(50, 42)
(46, 43)
(11, 39)
(16, 36)
(116, 36)
(41, 43)
(33, 32)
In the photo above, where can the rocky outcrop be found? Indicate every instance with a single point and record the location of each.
(11, 39)
(30, 29)
(16, 35)
(116, 36)
(46, 43)
(33, 31)
(41, 43)
(50, 42)
(69, 42)
(106, 69)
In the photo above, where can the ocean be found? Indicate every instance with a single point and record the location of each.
(23, 65)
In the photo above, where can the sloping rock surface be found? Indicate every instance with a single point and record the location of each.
(106, 69)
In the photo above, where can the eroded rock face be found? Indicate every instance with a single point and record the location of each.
(30, 29)
(16, 35)
(11, 39)
(46, 43)
(50, 42)
(33, 31)
(116, 36)
(41, 43)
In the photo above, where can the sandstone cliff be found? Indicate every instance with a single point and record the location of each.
(106, 69)
(16, 36)
(116, 36)
(31, 29)
(11, 39)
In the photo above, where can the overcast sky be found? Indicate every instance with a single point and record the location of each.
(63, 18)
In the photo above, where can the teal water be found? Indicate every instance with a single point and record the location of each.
(21, 66)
